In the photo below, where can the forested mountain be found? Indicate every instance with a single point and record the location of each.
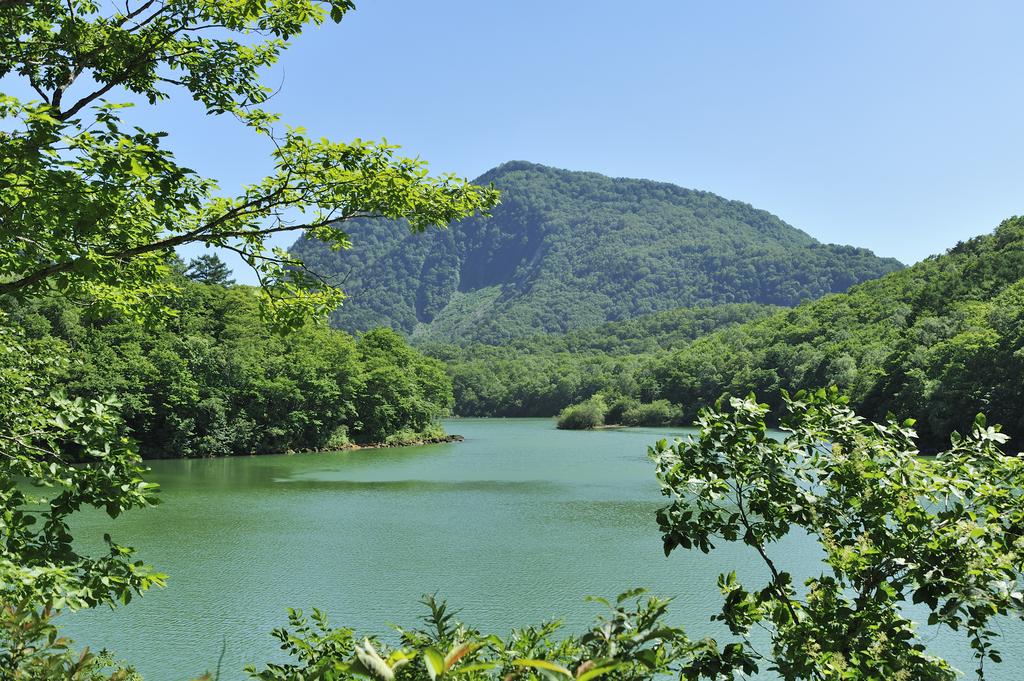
(940, 341)
(569, 250)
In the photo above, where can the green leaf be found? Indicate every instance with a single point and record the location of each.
(434, 663)
(597, 672)
(138, 170)
(543, 665)
(478, 667)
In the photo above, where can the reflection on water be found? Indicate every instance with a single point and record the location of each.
(514, 526)
(425, 486)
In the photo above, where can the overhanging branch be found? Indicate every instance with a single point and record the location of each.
(200, 235)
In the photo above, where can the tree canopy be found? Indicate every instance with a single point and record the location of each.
(215, 379)
(209, 269)
(540, 375)
(106, 201)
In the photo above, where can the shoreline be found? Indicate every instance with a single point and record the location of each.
(437, 440)
(416, 442)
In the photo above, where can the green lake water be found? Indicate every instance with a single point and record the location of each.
(513, 526)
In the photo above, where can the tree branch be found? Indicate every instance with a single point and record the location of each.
(143, 57)
(776, 575)
(129, 15)
(198, 235)
(290, 262)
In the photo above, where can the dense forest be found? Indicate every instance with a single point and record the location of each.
(214, 379)
(943, 339)
(542, 374)
(569, 250)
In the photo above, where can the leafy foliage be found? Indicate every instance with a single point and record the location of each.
(213, 379)
(631, 643)
(597, 411)
(105, 202)
(31, 649)
(43, 432)
(569, 250)
(209, 269)
(945, 533)
(583, 416)
(402, 389)
(656, 413)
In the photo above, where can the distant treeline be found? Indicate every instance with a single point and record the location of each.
(540, 375)
(215, 380)
(942, 340)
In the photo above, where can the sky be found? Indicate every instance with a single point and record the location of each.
(894, 126)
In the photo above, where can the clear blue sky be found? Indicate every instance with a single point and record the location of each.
(897, 126)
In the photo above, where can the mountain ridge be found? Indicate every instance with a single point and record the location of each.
(573, 249)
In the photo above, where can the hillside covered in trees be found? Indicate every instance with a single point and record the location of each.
(542, 374)
(943, 339)
(214, 379)
(569, 250)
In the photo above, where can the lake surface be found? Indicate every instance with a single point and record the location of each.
(513, 526)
